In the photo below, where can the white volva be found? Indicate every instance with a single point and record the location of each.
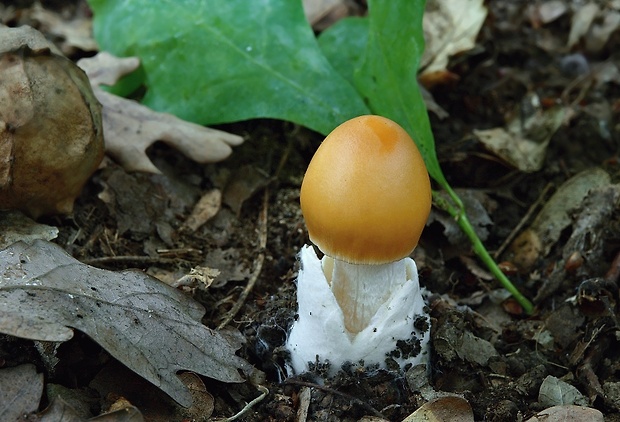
(376, 318)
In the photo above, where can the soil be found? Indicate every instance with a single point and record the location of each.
(259, 229)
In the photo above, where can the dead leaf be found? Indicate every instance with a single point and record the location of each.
(590, 237)
(449, 28)
(476, 204)
(544, 13)
(76, 32)
(554, 392)
(58, 410)
(142, 203)
(205, 209)
(229, 263)
(443, 409)
(148, 326)
(324, 11)
(15, 226)
(581, 22)
(245, 183)
(568, 414)
(594, 25)
(20, 391)
(523, 142)
(555, 215)
(130, 128)
(106, 69)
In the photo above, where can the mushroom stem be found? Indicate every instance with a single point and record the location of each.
(360, 289)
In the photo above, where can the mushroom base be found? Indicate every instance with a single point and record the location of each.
(398, 333)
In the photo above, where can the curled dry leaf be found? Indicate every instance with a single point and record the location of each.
(51, 138)
(130, 128)
(150, 327)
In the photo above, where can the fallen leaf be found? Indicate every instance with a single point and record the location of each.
(581, 22)
(148, 326)
(245, 183)
(130, 128)
(555, 215)
(443, 409)
(554, 392)
(523, 142)
(544, 13)
(20, 391)
(476, 205)
(568, 414)
(449, 28)
(590, 237)
(205, 209)
(15, 226)
(58, 410)
(320, 10)
(74, 33)
(593, 25)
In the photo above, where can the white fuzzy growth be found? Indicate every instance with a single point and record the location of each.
(320, 328)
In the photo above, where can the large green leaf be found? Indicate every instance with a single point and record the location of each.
(213, 61)
(387, 78)
(344, 44)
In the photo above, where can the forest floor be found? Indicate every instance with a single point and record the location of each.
(554, 227)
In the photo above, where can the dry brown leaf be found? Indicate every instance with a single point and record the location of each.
(205, 209)
(76, 32)
(449, 28)
(523, 142)
(568, 414)
(444, 409)
(130, 128)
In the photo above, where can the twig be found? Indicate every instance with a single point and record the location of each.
(258, 263)
(264, 391)
(336, 392)
(527, 217)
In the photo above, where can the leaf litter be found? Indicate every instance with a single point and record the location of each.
(508, 387)
(148, 326)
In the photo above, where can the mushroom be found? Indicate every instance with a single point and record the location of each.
(365, 198)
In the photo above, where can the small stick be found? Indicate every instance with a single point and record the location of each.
(264, 391)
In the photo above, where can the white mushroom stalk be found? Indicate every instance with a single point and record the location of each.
(361, 290)
(365, 199)
(397, 332)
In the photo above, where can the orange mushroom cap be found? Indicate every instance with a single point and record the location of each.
(366, 195)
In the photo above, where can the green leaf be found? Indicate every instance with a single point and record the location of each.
(387, 75)
(213, 61)
(344, 44)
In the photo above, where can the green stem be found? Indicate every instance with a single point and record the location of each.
(458, 213)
